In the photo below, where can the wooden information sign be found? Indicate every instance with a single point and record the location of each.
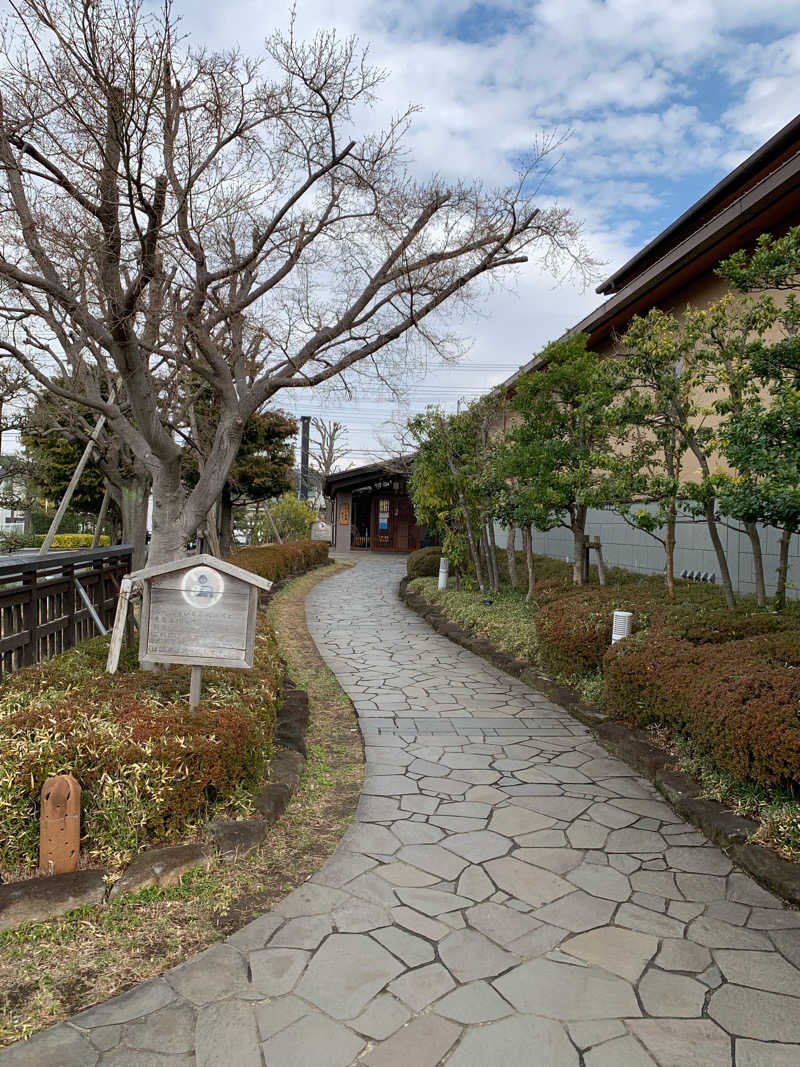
(199, 611)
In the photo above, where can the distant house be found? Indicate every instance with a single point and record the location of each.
(371, 510)
(762, 195)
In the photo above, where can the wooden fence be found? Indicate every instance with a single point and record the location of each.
(42, 612)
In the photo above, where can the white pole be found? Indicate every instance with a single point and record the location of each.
(444, 567)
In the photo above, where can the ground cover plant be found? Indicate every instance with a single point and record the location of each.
(719, 688)
(150, 770)
(49, 971)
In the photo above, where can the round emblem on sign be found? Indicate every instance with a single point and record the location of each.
(202, 587)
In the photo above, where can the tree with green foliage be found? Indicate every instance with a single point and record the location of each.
(261, 471)
(288, 515)
(444, 486)
(658, 357)
(568, 449)
(54, 435)
(762, 441)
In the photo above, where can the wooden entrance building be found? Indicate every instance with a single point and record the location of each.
(370, 509)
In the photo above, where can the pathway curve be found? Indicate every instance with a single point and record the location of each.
(508, 894)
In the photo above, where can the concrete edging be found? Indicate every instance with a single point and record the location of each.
(726, 829)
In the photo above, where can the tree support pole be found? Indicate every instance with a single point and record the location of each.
(58, 518)
(101, 518)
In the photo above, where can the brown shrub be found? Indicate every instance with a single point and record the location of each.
(148, 767)
(737, 701)
(276, 562)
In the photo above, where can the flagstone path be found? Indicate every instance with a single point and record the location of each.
(508, 894)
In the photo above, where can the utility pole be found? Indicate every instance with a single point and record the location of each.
(305, 429)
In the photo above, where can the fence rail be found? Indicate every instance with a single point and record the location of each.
(41, 611)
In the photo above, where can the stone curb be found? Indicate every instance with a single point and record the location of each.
(729, 831)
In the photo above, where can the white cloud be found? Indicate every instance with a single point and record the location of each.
(630, 78)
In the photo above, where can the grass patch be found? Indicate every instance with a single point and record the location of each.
(503, 618)
(49, 971)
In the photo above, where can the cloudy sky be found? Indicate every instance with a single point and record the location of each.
(661, 98)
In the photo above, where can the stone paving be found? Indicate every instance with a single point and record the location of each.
(508, 894)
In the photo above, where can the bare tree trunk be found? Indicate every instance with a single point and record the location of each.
(783, 570)
(511, 545)
(473, 548)
(491, 548)
(527, 548)
(225, 523)
(725, 574)
(578, 524)
(601, 566)
(169, 538)
(486, 557)
(758, 563)
(669, 549)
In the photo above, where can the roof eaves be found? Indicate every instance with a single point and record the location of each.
(784, 136)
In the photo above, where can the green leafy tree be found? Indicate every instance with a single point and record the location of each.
(763, 439)
(658, 358)
(568, 451)
(261, 471)
(290, 517)
(444, 485)
(54, 434)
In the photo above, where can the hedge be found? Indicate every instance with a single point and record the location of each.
(275, 562)
(424, 563)
(574, 625)
(15, 541)
(149, 768)
(737, 702)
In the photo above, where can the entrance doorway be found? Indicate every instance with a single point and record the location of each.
(393, 527)
(360, 536)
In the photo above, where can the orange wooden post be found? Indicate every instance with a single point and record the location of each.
(60, 827)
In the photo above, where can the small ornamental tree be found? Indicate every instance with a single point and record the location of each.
(291, 517)
(444, 486)
(762, 441)
(657, 351)
(568, 450)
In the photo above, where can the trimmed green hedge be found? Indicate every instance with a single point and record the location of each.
(424, 563)
(10, 542)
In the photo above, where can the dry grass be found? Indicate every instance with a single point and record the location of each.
(49, 971)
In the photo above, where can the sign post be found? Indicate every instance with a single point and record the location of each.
(200, 611)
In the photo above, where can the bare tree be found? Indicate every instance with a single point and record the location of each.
(170, 215)
(328, 446)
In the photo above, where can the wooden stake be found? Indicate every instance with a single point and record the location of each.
(73, 482)
(118, 631)
(194, 688)
(101, 518)
(601, 567)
